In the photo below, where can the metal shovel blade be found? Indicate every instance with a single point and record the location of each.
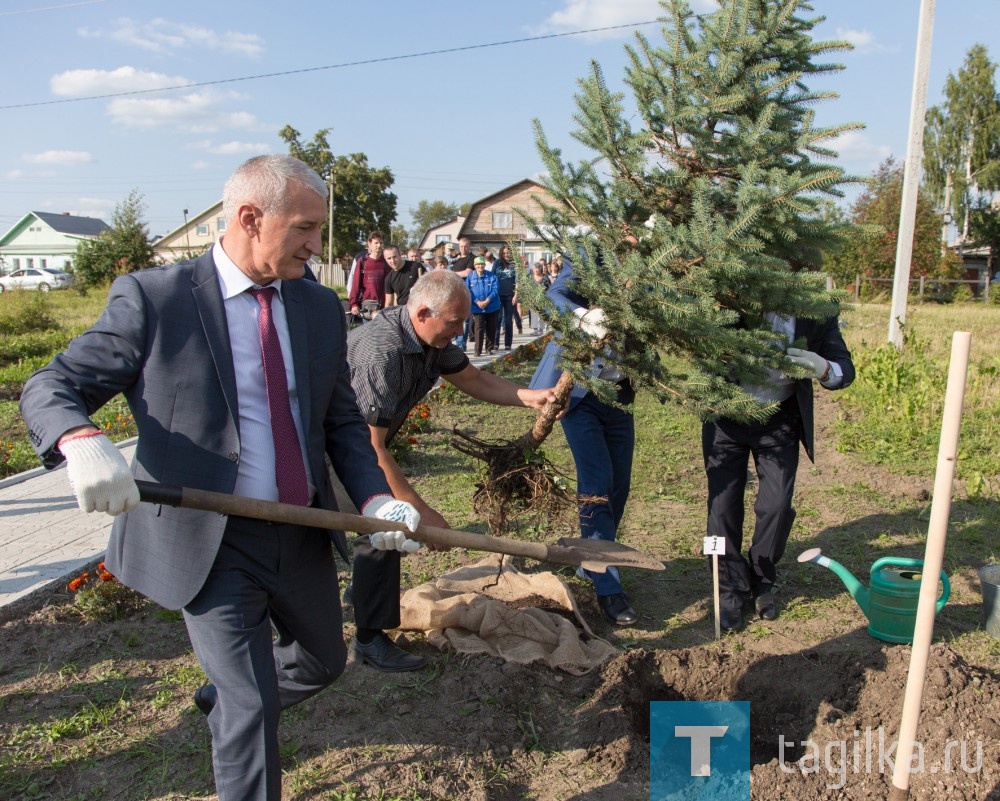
(595, 555)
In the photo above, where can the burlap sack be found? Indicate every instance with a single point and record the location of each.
(491, 607)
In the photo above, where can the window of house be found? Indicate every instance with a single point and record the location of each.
(43, 263)
(16, 263)
(220, 225)
(503, 219)
(202, 230)
(439, 238)
(29, 263)
(68, 265)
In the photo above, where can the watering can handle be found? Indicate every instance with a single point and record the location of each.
(899, 561)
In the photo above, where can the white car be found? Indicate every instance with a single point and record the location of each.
(38, 278)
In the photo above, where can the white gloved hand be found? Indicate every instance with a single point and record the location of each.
(385, 507)
(819, 366)
(99, 475)
(592, 323)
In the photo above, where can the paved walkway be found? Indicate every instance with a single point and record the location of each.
(44, 537)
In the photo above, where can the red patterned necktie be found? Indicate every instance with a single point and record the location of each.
(289, 470)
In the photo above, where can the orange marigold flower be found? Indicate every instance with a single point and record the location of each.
(101, 567)
(424, 415)
(412, 440)
(106, 576)
(74, 585)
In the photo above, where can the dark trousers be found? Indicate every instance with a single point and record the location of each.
(375, 581)
(508, 319)
(727, 447)
(484, 330)
(266, 580)
(602, 440)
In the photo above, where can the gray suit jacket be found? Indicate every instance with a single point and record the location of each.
(163, 342)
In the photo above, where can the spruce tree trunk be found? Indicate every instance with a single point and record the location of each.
(547, 417)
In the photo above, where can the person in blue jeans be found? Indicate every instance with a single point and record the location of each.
(506, 272)
(601, 438)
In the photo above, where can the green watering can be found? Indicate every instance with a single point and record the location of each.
(890, 603)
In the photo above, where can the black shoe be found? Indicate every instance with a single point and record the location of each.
(765, 606)
(617, 609)
(383, 654)
(205, 698)
(730, 619)
(349, 595)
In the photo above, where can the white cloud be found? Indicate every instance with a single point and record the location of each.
(63, 158)
(195, 112)
(863, 41)
(163, 36)
(577, 15)
(235, 148)
(855, 147)
(201, 165)
(13, 175)
(99, 82)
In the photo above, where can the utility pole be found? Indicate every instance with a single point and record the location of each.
(187, 235)
(329, 230)
(911, 174)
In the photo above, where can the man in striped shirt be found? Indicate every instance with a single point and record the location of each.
(395, 360)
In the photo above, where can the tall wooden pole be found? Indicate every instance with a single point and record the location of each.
(937, 533)
(911, 174)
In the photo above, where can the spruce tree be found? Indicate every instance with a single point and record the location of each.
(700, 208)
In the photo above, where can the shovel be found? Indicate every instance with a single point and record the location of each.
(595, 555)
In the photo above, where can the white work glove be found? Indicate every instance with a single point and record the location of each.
(819, 366)
(385, 507)
(592, 323)
(99, 475)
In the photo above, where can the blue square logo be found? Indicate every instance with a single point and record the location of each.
(699, 750)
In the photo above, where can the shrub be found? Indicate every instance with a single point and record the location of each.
(24, 312)
(962, 294)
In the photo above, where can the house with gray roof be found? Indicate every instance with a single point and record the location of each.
(43, 239)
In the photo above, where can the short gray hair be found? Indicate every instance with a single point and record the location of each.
(264, 182)
(437, 289)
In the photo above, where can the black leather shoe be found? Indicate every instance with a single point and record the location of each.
(730, 619)
(617, 609)
(765, 606)
(205, 698)
(383, 654)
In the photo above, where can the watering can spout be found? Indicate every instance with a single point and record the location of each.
(857, 590)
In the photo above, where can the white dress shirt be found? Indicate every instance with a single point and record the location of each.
(255, 476)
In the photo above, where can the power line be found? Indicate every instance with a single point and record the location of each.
(50, 8)
(343, 65)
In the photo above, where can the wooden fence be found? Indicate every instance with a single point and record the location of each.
(929, 289)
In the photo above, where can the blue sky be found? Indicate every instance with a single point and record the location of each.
(455, 125)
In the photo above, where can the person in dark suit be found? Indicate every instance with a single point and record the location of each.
(774, 444)
(601, 438)
(235, 370)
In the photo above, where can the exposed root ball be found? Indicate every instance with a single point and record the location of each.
(518, 481)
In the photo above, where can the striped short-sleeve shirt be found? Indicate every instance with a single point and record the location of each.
(392, 370)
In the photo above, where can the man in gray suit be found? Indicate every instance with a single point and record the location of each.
(235, 370)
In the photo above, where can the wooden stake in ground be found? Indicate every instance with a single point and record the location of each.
(937, 532)
(715, 546)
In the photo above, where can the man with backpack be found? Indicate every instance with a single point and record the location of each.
(366, 281)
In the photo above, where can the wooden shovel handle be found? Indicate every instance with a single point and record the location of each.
(188, 498)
